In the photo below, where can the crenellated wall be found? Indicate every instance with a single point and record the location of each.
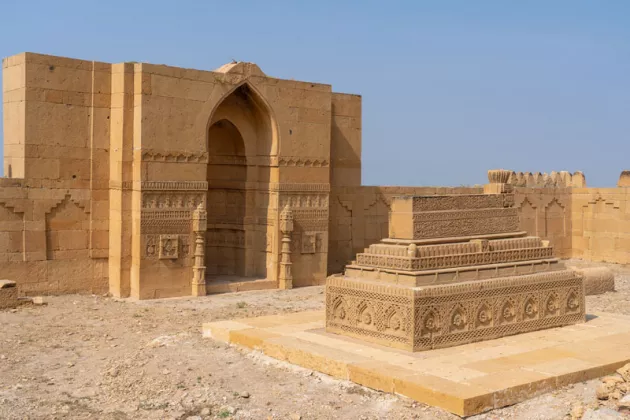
(580, 222)
(544, 180)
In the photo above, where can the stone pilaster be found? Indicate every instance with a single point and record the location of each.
(199, 227)
(286, 227)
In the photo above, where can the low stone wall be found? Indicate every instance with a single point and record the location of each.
(597, 280)
(50, 241)
(588, 223)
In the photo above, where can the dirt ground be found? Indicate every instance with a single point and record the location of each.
(100, 358)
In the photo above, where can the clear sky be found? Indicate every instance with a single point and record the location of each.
(450, 88)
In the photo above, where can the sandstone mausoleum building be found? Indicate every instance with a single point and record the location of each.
(152, 181)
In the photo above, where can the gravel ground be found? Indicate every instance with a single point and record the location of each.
(95, 357)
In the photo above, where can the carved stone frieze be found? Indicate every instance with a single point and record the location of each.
(455, 260)
(451, 202)
(444, 224)
(174, 156)
(305, 162)
(312, 200)
(313, 220)
(299, 187)
(167, 206)
(172, 200)
(423, 319)
(174, 185)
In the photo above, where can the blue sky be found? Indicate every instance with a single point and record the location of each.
(450, 88)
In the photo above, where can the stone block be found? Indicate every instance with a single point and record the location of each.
(8, 294)
(597, 280)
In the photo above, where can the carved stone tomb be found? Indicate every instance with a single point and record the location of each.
(455, 269)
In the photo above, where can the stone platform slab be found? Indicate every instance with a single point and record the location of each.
(464, 380)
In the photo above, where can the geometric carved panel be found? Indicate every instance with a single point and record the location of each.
(169, 247)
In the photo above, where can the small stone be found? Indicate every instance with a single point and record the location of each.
(577, 411)
(624, 371)
(86, 392)
(70, 364)
(616, 395)
(604, 390)
(624, 403)
(165, 372)
(38, 300)
(295, 416)
(205, 412)
(113, 372)
(615, 379)
(227, 409)
(244, 394)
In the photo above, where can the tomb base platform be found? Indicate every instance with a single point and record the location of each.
(465, 380)
(431, 317)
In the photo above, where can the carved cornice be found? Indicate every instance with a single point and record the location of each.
(159, 185)
(299, 187)
(174, 185)
(300, 161)
(174, 156)
(292, 161)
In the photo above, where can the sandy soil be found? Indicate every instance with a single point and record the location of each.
(96, 357)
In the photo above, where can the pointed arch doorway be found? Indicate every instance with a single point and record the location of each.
(241, 137)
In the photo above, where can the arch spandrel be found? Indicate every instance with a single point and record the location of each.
(219, 94)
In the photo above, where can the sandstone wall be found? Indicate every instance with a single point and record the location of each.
(54, 206)
(581, 222)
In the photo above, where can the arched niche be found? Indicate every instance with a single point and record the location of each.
(240, 134)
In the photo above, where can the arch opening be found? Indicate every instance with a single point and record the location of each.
(240, 131)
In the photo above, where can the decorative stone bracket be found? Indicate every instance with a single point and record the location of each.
(498, 182)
